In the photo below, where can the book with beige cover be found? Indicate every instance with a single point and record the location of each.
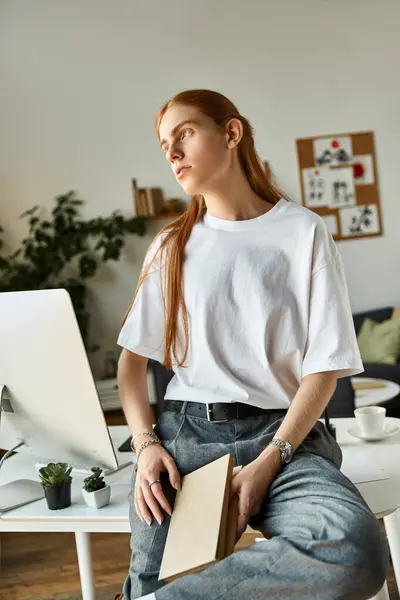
(202, 529)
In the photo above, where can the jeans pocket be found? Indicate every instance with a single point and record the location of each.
(168, 427)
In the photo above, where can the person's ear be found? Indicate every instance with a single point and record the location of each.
(234, 132)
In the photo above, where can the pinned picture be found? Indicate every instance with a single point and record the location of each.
(317, 188)
(359, 220)
(339, 182)
(331, 224)
(363, 169)
(343, 190)
(332, 151)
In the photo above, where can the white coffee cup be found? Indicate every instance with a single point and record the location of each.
(370, 420)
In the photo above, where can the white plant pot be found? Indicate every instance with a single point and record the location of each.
(97, 499)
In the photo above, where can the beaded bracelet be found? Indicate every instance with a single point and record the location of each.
(145, 445)
(152, 434)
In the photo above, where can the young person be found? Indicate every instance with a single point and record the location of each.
(244, 296)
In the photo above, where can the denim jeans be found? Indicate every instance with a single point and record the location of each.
(325, 542)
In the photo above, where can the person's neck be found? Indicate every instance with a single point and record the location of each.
(235, 200)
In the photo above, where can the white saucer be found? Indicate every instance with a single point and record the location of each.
(388, 430)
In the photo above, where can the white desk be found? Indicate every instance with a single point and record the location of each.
(361, 463)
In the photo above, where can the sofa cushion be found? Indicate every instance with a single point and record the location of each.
(377, 314)
(379, 342)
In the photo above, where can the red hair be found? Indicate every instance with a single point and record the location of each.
(175, 234)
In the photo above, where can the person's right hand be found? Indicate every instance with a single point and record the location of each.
(149, 500)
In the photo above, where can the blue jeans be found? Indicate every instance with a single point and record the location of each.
(325, 543)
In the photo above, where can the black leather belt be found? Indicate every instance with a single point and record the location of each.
(216, 412)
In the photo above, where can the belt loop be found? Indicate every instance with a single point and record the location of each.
(183, 407)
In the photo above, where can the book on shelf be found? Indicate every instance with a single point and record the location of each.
(203, 524)
(157, 201)
(149, 202)
(154, 201)
(143, 202)
(136, 199)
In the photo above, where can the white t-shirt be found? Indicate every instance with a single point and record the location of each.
(267, 303)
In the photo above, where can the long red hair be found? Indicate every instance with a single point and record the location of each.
(175, 234)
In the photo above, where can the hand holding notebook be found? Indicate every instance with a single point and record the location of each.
(203, 524)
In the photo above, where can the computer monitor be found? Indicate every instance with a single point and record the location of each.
(50, 401)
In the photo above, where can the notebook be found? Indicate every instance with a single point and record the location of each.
(202, 529)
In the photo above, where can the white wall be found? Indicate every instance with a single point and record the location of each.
(81, 81)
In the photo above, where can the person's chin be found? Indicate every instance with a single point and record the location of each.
(189, 187)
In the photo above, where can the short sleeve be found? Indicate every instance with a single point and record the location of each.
(331, 338)
(144, 329)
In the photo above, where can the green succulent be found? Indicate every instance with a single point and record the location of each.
(55, 473)
(94, 482)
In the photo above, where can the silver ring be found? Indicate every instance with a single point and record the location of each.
(155, 481)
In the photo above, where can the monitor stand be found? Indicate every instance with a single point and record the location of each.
(18, 493)
(21, 491)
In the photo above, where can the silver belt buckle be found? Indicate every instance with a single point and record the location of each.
(210, 418)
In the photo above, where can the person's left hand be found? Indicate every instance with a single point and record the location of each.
(251, 484)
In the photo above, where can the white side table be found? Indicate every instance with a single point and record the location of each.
(370, 397)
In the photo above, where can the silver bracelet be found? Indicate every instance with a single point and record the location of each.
(151, 434)
(145, 445)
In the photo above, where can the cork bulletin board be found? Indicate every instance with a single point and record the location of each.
(339, 181)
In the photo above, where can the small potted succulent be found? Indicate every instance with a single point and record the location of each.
(56, 481)
(96, 491)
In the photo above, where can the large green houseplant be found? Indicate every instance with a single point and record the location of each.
(65, 250)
